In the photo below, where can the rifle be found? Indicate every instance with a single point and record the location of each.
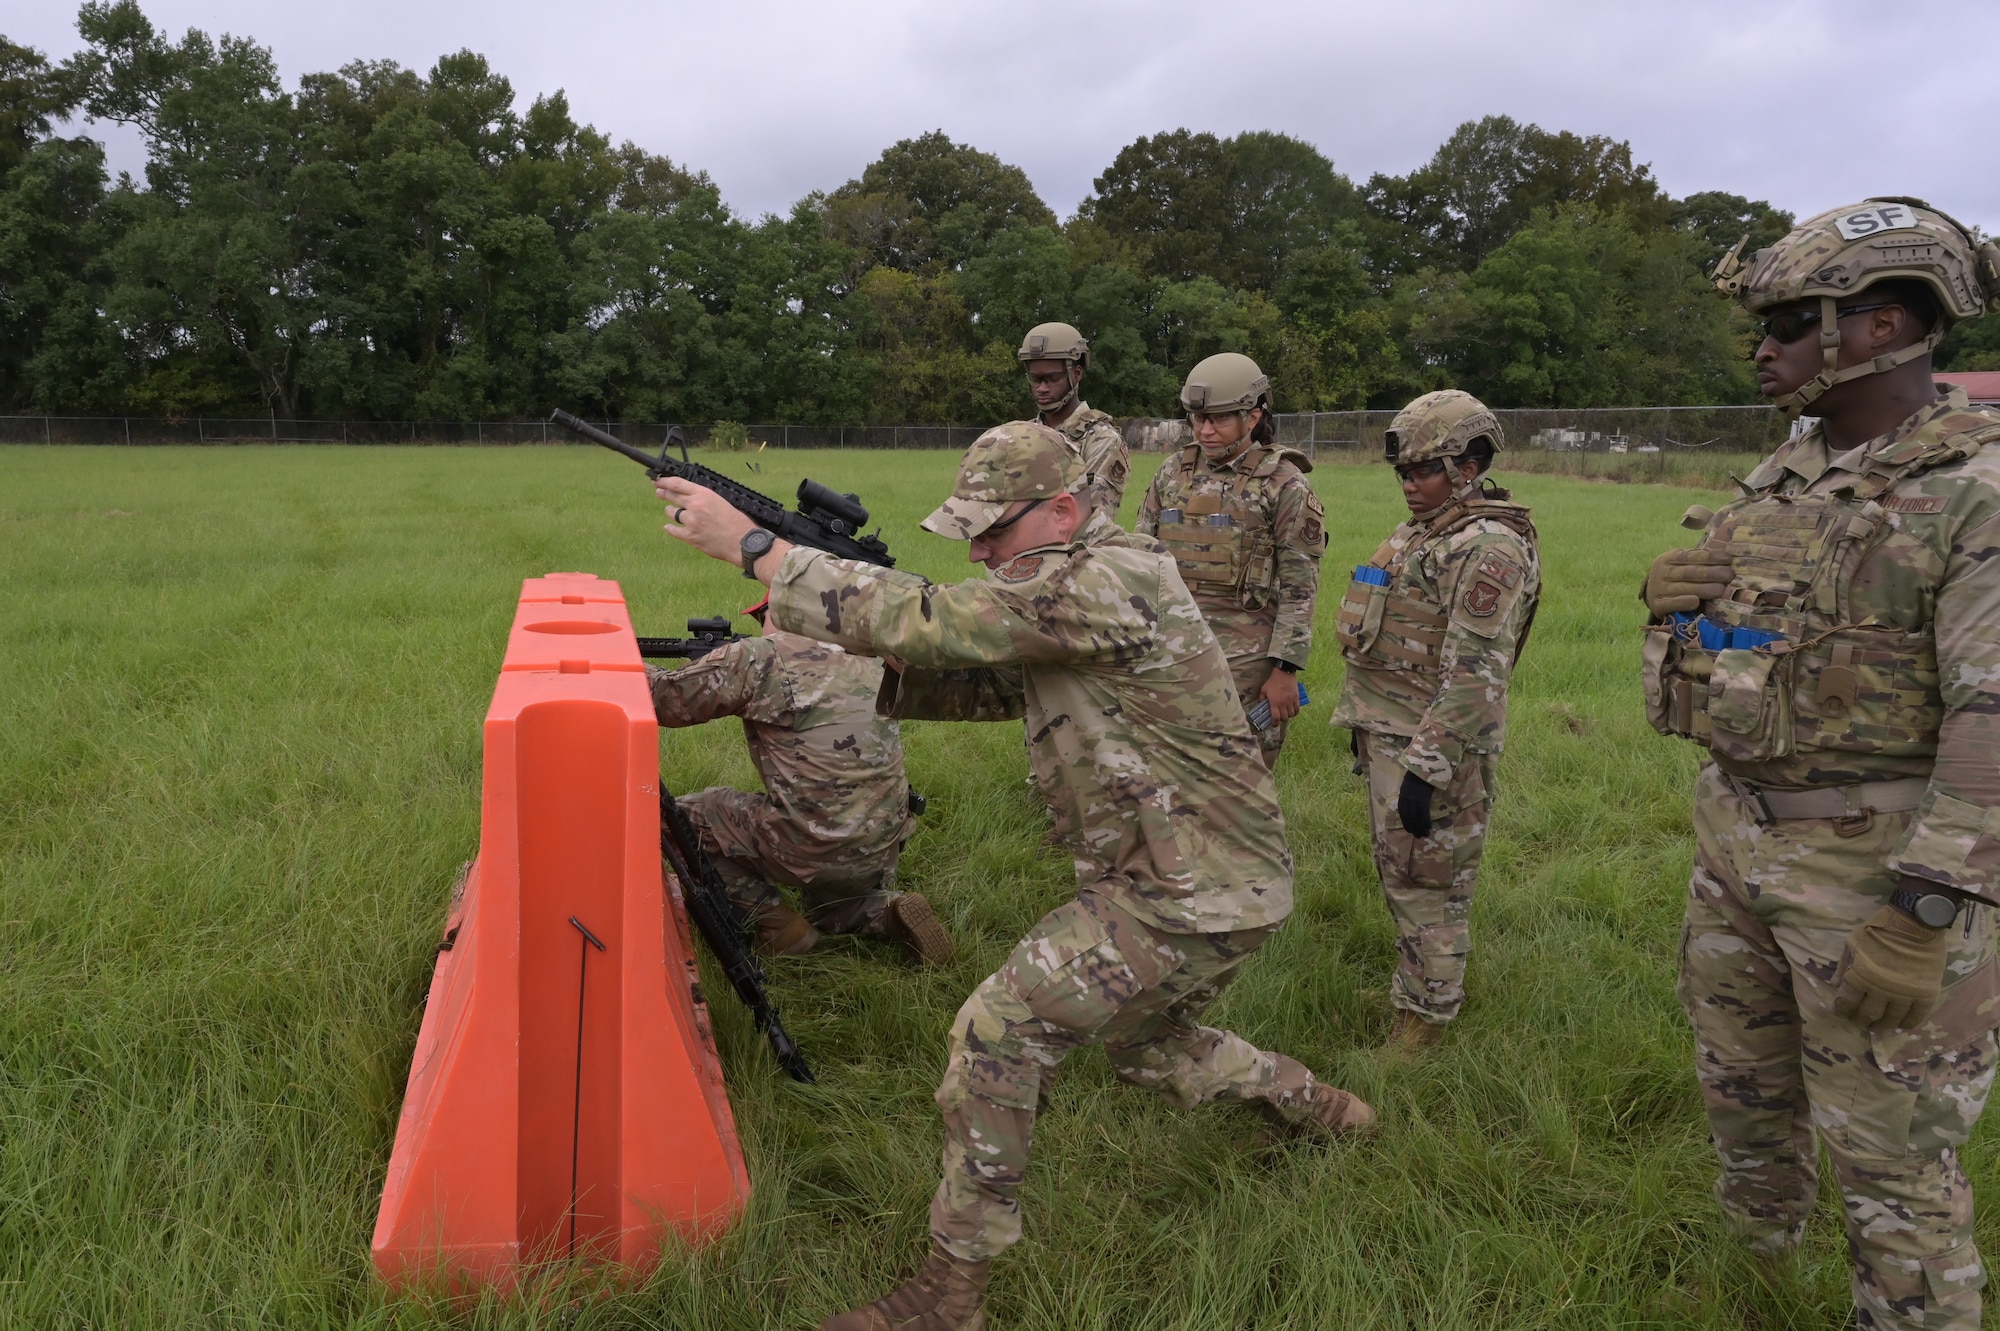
(704, 636)
(826, 519)
(715, 916)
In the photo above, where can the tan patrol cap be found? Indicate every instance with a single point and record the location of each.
(1009, 463)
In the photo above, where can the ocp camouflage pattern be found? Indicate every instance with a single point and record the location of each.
(1256, 575)
(1089, 972)
(1770, 906)
(1879, 571)
(1428, 881)
(1431, 652)
(1099, 645)
(1105, 457)
(835, 805)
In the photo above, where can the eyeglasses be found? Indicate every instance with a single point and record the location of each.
(1421, 471)
(1793, 325)
(1005, 523)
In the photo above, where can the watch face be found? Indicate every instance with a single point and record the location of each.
(1936, 909)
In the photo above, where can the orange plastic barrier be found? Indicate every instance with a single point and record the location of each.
(565, 1099)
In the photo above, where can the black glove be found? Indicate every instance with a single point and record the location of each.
(1354, 747)
(1413, 805)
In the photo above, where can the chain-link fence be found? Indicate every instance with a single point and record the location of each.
(1581, 430)
(1589, 430)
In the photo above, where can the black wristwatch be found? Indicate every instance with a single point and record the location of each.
(756, 544)
(1936, 909)
(1280, 663)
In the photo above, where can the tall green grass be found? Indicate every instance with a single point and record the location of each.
(239, 764)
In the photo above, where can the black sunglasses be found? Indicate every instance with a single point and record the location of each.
(1421, 471)
(1792, 326)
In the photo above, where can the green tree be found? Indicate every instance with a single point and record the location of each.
(1718, 220)
(930, 202)
(1581, 309)
(1486, 180)
(1185, 205)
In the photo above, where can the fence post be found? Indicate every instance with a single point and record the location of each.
(46, 438)
(128, 432)
(200, 431)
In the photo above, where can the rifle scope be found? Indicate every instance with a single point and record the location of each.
(816, 500)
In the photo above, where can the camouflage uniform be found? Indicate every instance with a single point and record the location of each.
(1181, 863)
(1106, 460)
(1856, 656)
(1248, 535)
(1429, 652)
(834, 812)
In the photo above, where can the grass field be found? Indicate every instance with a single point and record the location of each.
(239, 763)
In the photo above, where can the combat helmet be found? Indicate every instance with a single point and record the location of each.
(1846, 250)
(1229, 381)
(1057, 342)
(1054, 342)
(1439, 425)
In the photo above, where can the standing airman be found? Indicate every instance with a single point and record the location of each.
(1236, 513)
(1833, 642)
(1431, 628)
(1056, 357)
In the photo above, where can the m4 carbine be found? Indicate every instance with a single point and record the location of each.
(826, 519)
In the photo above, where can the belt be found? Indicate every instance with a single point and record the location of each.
(1854, 806)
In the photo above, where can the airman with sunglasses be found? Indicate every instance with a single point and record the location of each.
(1430, 629)
(1833, 642)
(1235, 511)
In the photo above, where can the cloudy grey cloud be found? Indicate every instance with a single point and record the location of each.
(1805, 104)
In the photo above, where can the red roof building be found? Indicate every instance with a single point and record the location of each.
(1982, 386)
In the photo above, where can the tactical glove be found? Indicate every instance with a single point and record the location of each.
(1891, 970)
(1413, 805)
(1680, 580)
(1354, 747)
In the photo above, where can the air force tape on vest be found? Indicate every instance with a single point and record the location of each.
(1009, 463)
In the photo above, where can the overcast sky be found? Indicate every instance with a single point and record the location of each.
(1808, 105)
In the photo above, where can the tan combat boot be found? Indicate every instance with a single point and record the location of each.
(949, 1294)
(912, 923)
(1329, 1111)
(783, 932)
(1410, 1034)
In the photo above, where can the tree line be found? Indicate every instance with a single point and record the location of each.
(384, 244)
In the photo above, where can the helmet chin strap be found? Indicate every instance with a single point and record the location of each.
(1074, 379)
(1795, 402)
(1464, 492)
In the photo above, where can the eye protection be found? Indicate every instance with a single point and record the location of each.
(1795, 324)
(1421, 471)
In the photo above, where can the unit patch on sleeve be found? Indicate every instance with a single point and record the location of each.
(1481, 599)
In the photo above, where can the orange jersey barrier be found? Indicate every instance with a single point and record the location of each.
(565, 1099)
